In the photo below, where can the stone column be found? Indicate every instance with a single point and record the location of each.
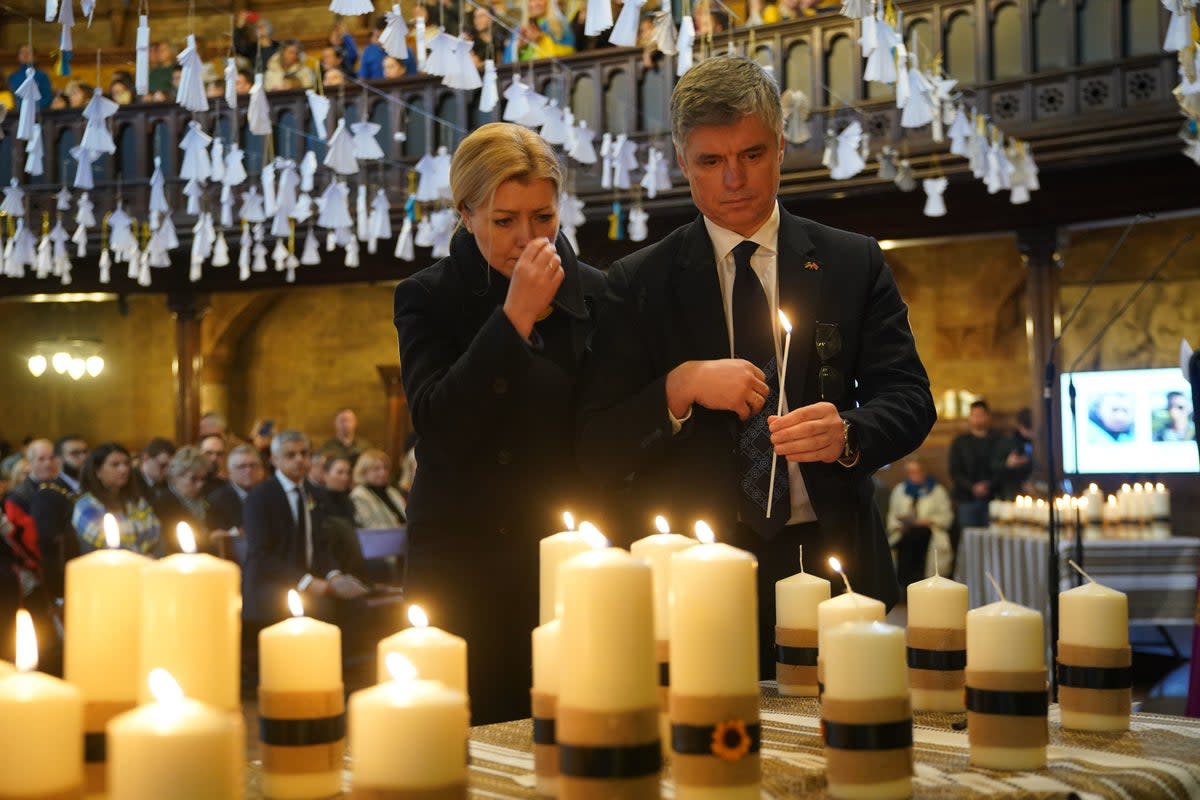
(1041, 255)
(188, 308)
(398, 421)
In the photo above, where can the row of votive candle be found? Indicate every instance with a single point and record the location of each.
(1137, 511)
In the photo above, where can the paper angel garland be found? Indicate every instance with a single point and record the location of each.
(517, 104)
(796, 112)
(216, 161)
(196, 164)
(340, 156)
(625, 31)
(584, 150)
(141, 61)
(683, 45)
(638, 228)
(334, 211)
(96, 136)
(318, 105)
(394, 34)
(14, 200)
(308, 170)
(350, 8)
(490, 96)
(252, 205)
(462, 73)
(220, 252)
(849, 160)
(28, 95)
(856, 9)
(235, 169)
(881, 60)
(379, 224)
(34, 152)
(935, 205)
(258, 112)
(361, 214)
(231, 73)
(285, 197)
(918, 111)
(441, 53)
(83, 168)
(554, 128)
(190, 92)
(999, 169)
(960, 131)
(366, 145)
(158, 196)
(311, 256)
(62, 199)
(598, 17)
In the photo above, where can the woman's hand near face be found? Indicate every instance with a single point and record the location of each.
(535, 279)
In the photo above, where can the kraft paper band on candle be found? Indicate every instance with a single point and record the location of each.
(868, 766)
(603, 747)
(65, 794)
(1101, 687)
(1007, 709)
(731, 758)
(936, 658)
(938, 638)
(936, 680)
(868, 741)
(455, 791)
(545, 742)
(302, 732)
(796, 647)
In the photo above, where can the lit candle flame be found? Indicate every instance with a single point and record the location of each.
(1125, 487)
(595, 538)
(1083, 502)
(1160, 487)
(1093, 488)
(704, 533)
(112, 532)
(27, 649)
(187, 540)
(660, 522)
(1149, 486)
(164, 687)
(294, 603)
(785, 322)
(417, 616)
(836, 566)
(568, 520)
(400, 668)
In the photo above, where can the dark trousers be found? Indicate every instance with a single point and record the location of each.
(911, 553)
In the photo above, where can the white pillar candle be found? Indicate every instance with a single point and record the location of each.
(1094, 658)
(866, 690)
(544, 702)
(301, 706)
(192, 625)
(1095, 502)
(847, 607)
(796, 600)
(409, 735)
(102, 638)
(608, 690)
(41, 726)
(553, 551)
(937, 641)
(437, 654)
(1006, 667)
(177, 747)
(714, 668)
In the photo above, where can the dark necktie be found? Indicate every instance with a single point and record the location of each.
(754, 340)
(302, 526)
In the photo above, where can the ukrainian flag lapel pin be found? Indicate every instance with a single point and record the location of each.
(812, 265)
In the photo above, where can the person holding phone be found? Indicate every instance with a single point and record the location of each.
(491, 340)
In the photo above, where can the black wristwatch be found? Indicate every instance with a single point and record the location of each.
(850, 451)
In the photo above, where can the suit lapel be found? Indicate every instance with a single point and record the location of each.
(799, 296)
(698, 290)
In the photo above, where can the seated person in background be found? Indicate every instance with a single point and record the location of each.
(394, 68)
(315, 478)
(334, 77)
(287, 548)
(370, 66)
(225, 504)
(214, 447)
(918, 524)
(334, 498)
(120, 88)
(151, 473)
(343, 45)
(109, 488)
(544, 33)
(184, 501)
(376, 504)
(287, 70)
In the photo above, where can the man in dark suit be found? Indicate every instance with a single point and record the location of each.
(285, 547)
(225, 505)
(152, 469)
(696, 430)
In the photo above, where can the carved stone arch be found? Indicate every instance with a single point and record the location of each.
(224, 326)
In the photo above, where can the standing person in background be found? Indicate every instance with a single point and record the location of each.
(975, 461)
(162, 65)
(1017, 450)
(214, 448)
(491, 341)
(343, 43)
(346, 442)
(370, 68)
(25, 63)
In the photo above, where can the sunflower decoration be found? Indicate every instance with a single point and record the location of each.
(730, 741)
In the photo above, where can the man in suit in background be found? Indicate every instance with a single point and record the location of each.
(225, 505)
(682, 390)
(152, 469)
(285, 547)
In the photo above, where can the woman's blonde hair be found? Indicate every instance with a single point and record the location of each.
(366, 460)
(495, 153)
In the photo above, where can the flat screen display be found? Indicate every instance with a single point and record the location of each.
(1129, 421)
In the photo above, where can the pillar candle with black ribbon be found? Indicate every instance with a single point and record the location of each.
(102, 641)
(1007, 699)
(301, 707)
(866, 719)
(656, 550)
(716, 734)
(796, 600)
(846, 607)
(937, 644)
(607, 722)
(544, 703)
(1094, 659)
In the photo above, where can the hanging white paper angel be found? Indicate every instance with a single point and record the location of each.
(308, 170)
(905, 180)
(960, 131)
(252, 205)
(266, 178)
(350, 8)
(424, 234)
(419, 42)
(220, 251)
(62, 199)
(216, 160)
(141, 63)
(59, 238)
(440, 176)
(66, 18)
(235, 169)
(351, 259)
(96, 136)
(999, 169)
(554, 129)
(868, 40)
(366, 145)
(608, 161)
(280, 255)
(650, 179)
(28, 94)
(625, 161)
(318, 106)
(570, 217)
(490, 94)
(584, 149)
(442, 222)
(977, 147)
(361, 213)
(935, 204)
(244, 248)
(259, 261)
(516, 104)
(683, 44)
(664, 33)
(258, 112)
(311, 255)
(638, 228)
(849, 159)
(441, 54)
(1179, 29)
(887, 164)
(796, 112)
(196, 163)
(881, 60)
(34, 152)
(625, 31)
(340, 155)
(190, 92)
(394, 35)
(598, 17)
(51, 10)
(404, 241)
(379, 224)
(158, 195)
(231, 73)
(463, 73)
(918, 111)
(120, 230)
(43, 264)
(335, 213)
(285, 196)
(14, 200)
(856, 9)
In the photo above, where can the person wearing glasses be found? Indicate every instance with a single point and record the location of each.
(72, 452)
(1177, 425)
(682, 391)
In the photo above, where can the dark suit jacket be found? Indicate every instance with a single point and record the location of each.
(665, 308)
(42, 514)
(225, 508)
(275, 552)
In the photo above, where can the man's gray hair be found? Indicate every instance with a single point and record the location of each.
(187, 459)
(720, 91)
(242, 450)
(287, 437)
